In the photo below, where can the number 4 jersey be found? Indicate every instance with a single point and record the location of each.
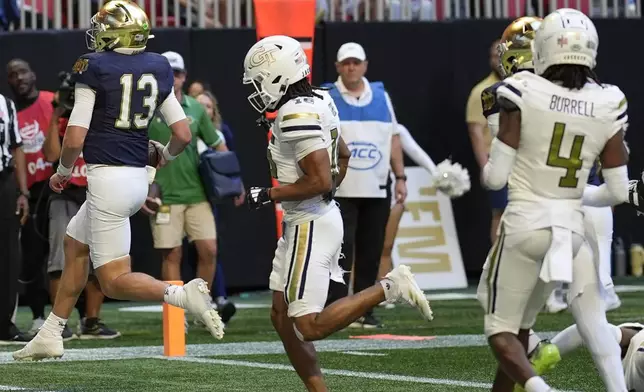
(303, 125)
(562, 133)
(128, 89)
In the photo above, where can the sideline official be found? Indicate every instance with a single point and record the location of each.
(14, 210)
(370, 130)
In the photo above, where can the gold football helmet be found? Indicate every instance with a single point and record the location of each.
(119, 24)
(515, 49)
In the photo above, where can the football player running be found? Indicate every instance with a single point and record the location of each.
(553, 125)
(309, 159)
(116, 93)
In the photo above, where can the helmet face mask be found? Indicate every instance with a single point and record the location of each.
(260, 100)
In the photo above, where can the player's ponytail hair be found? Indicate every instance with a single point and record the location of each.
(301, 88)
(573, 77)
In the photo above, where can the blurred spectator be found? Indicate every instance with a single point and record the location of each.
(62, 208)
(185, 208)
(34, 112)
(14, 211)
(481, 137)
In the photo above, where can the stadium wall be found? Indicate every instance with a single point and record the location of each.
(428, 69)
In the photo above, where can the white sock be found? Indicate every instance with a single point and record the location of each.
(175, 296)
(389, 287)
(599, 337)
(533, 341)
(54, 325)
(568, 340)
(536, 384)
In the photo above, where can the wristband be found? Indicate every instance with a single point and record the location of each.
(166, 153)
(64, 171)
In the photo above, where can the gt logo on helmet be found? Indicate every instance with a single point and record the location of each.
(262, 56)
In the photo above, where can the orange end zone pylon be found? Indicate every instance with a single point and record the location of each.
(296, 19)
(174, 332)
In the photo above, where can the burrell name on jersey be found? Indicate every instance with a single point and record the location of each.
(303, 125)
(562, 133)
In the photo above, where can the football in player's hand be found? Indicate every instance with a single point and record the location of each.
(153, 155)
(153, 201)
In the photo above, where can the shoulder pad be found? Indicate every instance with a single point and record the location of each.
(299, 118)
(489, 101)
(512, 89)
(85, 70)
(329, 86)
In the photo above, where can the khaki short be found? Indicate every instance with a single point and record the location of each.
(195, 220)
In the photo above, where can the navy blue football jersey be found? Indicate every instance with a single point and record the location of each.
(129, 90)
(593, 177)
(489, 101)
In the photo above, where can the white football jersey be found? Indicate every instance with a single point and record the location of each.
(562, 133)
(633, 361)
(303, 125)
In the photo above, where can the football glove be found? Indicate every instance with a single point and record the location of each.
(256, 197)
(452, 179)
(635, 193)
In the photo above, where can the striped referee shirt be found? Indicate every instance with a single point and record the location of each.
(9, 135)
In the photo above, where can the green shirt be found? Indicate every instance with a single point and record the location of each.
(179, 180)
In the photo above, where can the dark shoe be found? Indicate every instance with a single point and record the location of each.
(367, 322)
(226, 310)
(67, 334)
(94, 328)
(15, 337)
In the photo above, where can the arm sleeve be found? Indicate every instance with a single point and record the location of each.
(208, 132)
(415, 152)
(301, 122)
(614, 190)
(85, 71)
(394, 120)
(304, 147)
(499, 166)
(84, 99)
(171, 109)
(15, 140)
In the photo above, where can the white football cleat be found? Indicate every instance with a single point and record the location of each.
(198, 302)
(408, 289)
(42, 346)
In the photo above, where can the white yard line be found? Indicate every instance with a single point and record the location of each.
(258, 348)
(13, 388)
(338, 372)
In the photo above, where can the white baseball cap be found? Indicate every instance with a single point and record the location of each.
(175, 60)
(351, 50)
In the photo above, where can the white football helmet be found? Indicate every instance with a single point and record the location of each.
(271, 65)
(566, 36)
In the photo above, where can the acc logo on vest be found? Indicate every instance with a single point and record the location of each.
(364, 155)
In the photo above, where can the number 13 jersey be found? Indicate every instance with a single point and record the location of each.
(129, 89)
(562, 133)
(303, 125)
